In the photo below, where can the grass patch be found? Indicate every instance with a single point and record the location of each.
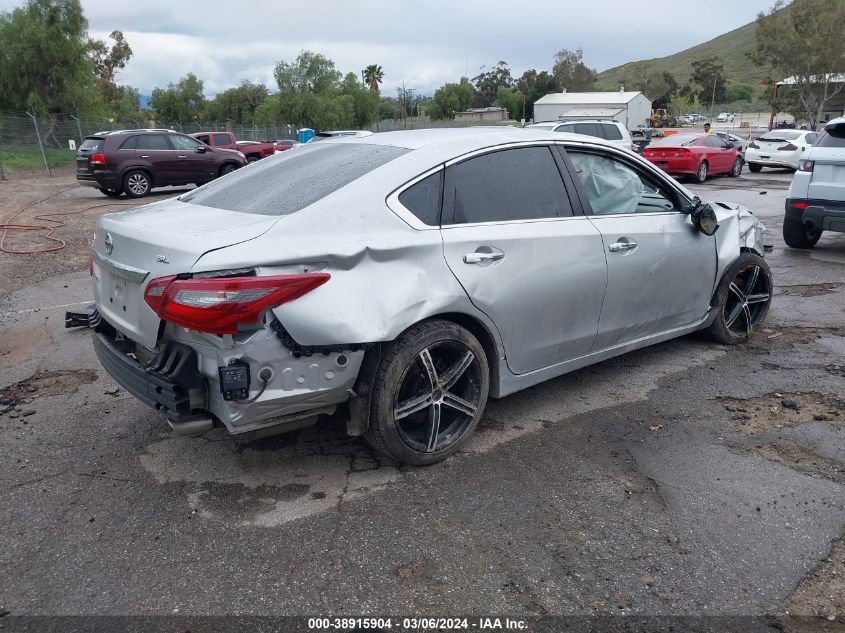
(25, 159)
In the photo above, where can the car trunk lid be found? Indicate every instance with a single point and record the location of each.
(133, 247)
(828, 177)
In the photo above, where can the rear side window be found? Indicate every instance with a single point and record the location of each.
(153, 141)
(129, 143)
(423, 198)
(92, 145)
(515, 184)
(812, 137)
(833, 136)
(590, 129)
(221, 139)
(566, 128)
(291, 181)
(610, 132)
(203, 138)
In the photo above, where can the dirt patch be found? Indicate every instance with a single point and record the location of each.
(800, 458)
(818, 602)
(782, 336)
(779, 410)
(808, 290)
(44, 383)
(17, 345)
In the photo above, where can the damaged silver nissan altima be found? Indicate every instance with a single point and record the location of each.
(403, 278)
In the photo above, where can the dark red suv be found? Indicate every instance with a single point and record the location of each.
(135, 161)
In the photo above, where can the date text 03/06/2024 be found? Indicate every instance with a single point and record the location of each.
(418, 624)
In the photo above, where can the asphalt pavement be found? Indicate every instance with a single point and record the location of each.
(686, 478)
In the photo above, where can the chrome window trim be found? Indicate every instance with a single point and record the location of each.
(509, 222)
(135, 275)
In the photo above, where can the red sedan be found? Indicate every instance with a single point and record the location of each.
(696, 155)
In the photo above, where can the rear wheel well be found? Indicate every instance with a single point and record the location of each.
(143, 169)
(479, 331)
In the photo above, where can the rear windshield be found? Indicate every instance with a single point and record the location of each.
(780, 135)
(833, 136)
(676, 140)
(293, 180)
(92, 144)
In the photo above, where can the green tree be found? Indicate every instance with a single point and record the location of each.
(44, 62)
(451, 98)
(487, 84)
(535, 85)
(511, 100)
(364, 103)
(739, 92)
(708, 80)
(181, 102)
(107, 61)
(126, 106)
(658, 85)
(571, 72)
(803, 41)
(373, 76)
(236, 105)
(310, 72)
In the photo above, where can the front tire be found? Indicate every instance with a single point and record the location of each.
(797, 235)
(741, 300)
(228, 168)
(701, 172)
(755, 168)
(137, 184)
(428, 394)
(736, 170)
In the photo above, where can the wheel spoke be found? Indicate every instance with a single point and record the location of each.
(449, 378)
(752, 281)
(747, 314)
(459, 404)
(428, 365)
(758, 298)
(732, 317)
(737, 292)
(412, 405)
(434, 427)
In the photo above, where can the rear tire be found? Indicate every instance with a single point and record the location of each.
(797, 235)
(428, 393)
(137, 184)
(701, 173)
(252, 159)
(755, 168)
(741, 300)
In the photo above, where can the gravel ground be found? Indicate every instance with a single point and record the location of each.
(686, 479)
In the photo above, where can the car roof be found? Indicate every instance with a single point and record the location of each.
(464, 139)
(573, 121)
(837, 121)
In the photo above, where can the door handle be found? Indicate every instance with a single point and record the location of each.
(622, 246)
(477, 258)
(182, 156)
(145, 155)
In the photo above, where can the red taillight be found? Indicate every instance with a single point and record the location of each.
(753, 145)
(218, 305)
(806, 165)
(789, 147)
(98, 158)
(800, 205)
(682, 153)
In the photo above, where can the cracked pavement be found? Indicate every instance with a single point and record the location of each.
(672, 480)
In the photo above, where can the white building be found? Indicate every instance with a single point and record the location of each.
(629, 108)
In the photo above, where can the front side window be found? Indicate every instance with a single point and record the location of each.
(714, 141)
(423, 198)
(184, 143)
(514, 184)
(613, 187)
(153, 141)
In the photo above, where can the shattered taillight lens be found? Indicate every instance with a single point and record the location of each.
(218, 305)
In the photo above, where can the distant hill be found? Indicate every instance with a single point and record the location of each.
(732, 47)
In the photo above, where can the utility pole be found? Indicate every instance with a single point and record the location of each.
(713, 97)
(404, 113)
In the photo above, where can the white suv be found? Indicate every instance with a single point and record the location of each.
(816, 198)
(612, 131)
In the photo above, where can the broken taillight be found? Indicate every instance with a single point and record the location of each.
(217, 305)
(789, 147)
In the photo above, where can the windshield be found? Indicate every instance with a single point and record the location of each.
(780, 135)
(677, 140)
(291, 181)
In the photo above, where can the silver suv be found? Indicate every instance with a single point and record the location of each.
(816, 198)
(611, 131)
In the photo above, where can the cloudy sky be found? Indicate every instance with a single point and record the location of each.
(425, 43)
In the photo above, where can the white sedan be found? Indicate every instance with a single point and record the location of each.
(779, 148)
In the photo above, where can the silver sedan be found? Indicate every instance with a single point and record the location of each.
(403, 278)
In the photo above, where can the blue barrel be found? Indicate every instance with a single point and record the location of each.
(305, 134)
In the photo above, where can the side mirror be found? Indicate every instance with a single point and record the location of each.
(202, 149)
(703, 217)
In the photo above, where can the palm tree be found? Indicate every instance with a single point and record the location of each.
(373, 76)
